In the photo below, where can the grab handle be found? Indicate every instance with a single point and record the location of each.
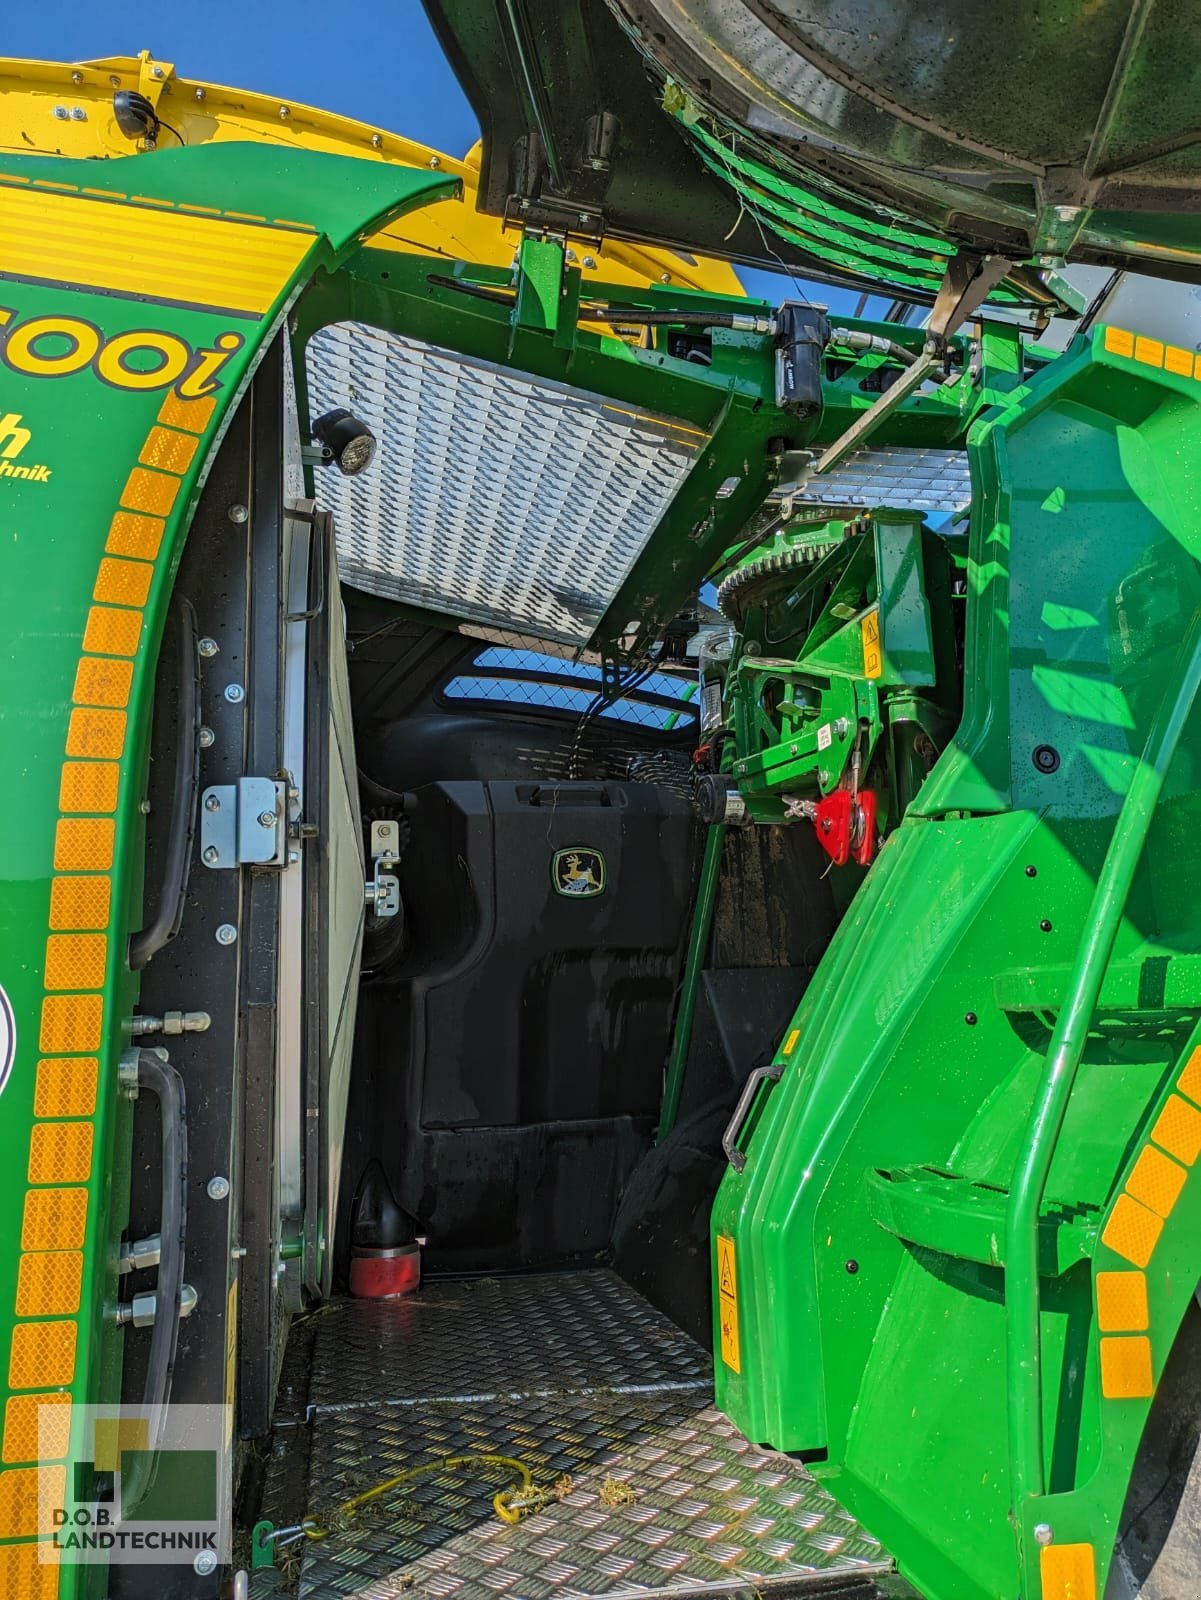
(729, 1139)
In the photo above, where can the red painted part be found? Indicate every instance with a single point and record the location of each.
(384, 1274)
(832, 819)
(866, 848)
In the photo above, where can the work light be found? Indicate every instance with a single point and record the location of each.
(347, 443)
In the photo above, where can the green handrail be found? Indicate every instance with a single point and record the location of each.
(1022, 1301)
(698, 944)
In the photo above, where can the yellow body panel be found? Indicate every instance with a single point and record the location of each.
(52, 109)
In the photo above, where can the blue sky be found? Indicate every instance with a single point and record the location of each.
(391, 73)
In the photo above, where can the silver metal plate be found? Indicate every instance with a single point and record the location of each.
(911, 479)
(577, 1376)
(493, 497)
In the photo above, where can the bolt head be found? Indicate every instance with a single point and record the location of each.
(435, 162)
(201, 95)
(144, 807)
(238, 513)
(217, 1188)
(284, 113)
(77, 77)
(1044, 1533)
(377, 141)
(226, 933)
(210, 855)
(211, 803)
(207, 647)
(206, 738)
(266, 819)
(157, 72)
(235, 693)
(205, 1563)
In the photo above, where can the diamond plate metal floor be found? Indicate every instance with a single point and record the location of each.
(575, 1375)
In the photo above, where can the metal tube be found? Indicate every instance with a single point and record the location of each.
(1022, 1304)
(698, 944)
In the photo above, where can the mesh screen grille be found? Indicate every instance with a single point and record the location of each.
(493, 497)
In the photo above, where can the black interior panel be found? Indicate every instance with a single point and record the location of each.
(524, 1037)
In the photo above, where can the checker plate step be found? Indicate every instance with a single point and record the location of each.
(575, 1375)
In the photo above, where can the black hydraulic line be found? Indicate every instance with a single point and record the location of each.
(173, 890)
(160, 1078)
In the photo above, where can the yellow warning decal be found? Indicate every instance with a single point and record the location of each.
(873, 656)
(727, 1303)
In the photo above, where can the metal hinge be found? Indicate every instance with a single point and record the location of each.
(244, 824)
(383, 887)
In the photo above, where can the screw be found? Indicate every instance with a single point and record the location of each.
(852, 1267)
(206, 738)
(1045, 925)
(144, 808)
(1046, 758)
(61, 113)
(210, 855)
(157, 72)
(200, 94)
(377, 141)
(1044, 1533)
(590, 263)
(1032, 872)
(205, 1563)
(235, 693)
(266, 819)
(217, 1188)
(435, 162)
(226, 933)
(78, 114)
(77, 77)
(211, 803)
(284, 113)
(970, 1018)
(238, 513)
(207, 646)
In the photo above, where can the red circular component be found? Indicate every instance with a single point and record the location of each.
(384, 1274)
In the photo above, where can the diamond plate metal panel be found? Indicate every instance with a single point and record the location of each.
(708, 1512)
(921, 480)
(576, 1376)
(541, 1334)
(493, 496)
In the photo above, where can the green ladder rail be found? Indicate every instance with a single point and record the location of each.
(1041, 1135)
(698, 944)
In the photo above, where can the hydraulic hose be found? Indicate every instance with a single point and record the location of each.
(160, 1078)
(173, 890)
(860, 339)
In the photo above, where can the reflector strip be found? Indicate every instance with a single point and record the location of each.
(89, 785)
(85, 844)
(132, 534)
(1068, 1572)
(169, 451)
(19, 1492)
(1122, 1302)
(127, 583)
(54, 1219)
(49, 1281)
(70, 1026)
(1126, 1369)
(96, 733)
(43, 1353)
(75, 960)
(37, 1427)
(60, 1152)
(79, 902)
(1132, 1231)
(102, 681)
(66, 1087)
(112, 633)
(24, 1577)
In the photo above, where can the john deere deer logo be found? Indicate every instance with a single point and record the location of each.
(578, 872)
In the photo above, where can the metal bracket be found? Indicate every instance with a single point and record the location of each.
(244, 824)
(967, 283)
(383, 887)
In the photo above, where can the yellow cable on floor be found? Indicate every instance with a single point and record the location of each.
(510, 1505)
